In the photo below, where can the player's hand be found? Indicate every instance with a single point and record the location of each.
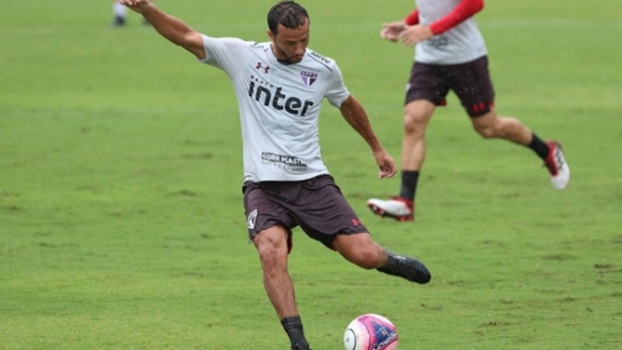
(391, 31)
(136, 5)
(415, 34)
(385, 163)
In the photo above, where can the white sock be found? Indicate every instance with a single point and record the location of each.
(119, 10)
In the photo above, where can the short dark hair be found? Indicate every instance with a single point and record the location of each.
(289, 14)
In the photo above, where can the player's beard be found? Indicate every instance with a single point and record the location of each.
(287, 58)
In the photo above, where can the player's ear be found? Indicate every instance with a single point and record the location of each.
(270, 35)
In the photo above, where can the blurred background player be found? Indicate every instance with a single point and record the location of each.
(451, 55)
(120, 15)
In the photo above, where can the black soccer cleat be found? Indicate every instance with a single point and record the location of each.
(299, 346)
(406, 267)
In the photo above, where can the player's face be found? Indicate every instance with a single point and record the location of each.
(290, 44)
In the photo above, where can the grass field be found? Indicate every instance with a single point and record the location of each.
(121, 217)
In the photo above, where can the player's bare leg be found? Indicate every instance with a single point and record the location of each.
(272, 247)
(416, 119)
(492, 126)
(361, 250)
(417, 115)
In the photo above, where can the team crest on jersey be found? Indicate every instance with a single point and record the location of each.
(308, 78)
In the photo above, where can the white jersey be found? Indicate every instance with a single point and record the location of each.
(460, 44)
(279, 106)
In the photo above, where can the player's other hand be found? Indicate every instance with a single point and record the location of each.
(415, 34)
(385, 163)
(391, 31)
(136, 5)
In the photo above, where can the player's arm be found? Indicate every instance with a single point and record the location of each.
(354, 113)
(464, 10)
(417, 33)
(173, 29)
(392, 30)
(412, 18)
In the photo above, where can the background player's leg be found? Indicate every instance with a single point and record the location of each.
(416, 119)
(492, 126)
(120, 14)
(417, 116)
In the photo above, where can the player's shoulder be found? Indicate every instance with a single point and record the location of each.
(321, 61)
(258, 46)
(238, 42)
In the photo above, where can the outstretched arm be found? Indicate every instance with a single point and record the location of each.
(392, 30)
(173, 29)
(418, 33)
(355, 115)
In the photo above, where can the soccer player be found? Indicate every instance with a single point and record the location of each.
(120, 15)
(451, 55)
(280, 86)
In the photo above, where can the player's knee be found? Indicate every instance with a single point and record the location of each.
(489, 125)
(413, 124)
(486, 131)
(367, 258)
(271, 251)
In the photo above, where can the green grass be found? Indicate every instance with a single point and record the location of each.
(121, 216)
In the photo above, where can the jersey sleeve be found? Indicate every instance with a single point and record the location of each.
(464, 10)
(412, 18)
(336, 91)
(224, 53)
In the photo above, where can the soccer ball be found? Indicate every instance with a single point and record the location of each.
(370, 332)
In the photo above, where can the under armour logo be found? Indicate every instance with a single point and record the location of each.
(266, 69)
(356, 222)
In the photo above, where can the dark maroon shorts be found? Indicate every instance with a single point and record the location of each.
(469, 81)
(316, 205)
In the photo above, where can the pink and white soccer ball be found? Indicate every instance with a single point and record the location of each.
(370, 332)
